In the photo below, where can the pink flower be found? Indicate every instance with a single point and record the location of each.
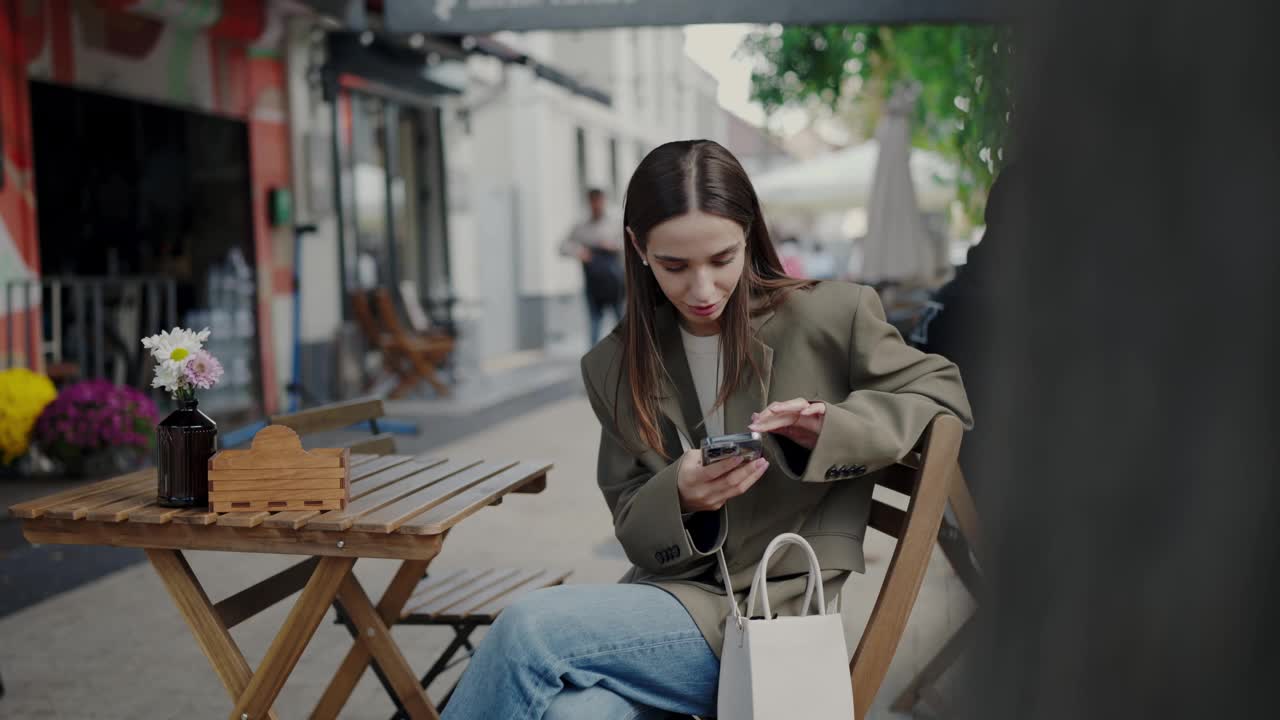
(202, 370)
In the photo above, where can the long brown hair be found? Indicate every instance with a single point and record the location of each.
(674, 179)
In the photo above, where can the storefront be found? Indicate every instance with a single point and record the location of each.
(148, 170)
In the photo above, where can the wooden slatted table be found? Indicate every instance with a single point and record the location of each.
(401, 508)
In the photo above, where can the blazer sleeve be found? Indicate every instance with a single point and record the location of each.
(646, 504)
(899, 390)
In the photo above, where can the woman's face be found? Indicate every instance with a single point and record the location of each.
(697, 259)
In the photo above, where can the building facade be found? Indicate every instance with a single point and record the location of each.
(527, 150)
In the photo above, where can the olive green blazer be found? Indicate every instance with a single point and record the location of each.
(829, 344)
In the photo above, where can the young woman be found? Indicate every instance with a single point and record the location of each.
(716, 339)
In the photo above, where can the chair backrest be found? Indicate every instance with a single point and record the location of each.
(927, 481)
(418, 318)
(364, 317)
(385, 306)
(337, 416)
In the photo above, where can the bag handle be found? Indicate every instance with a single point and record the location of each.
(759, 582)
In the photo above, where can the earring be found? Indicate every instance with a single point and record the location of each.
(645, 263)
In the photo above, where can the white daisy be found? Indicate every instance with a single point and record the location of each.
(168, 376)
(175, 345)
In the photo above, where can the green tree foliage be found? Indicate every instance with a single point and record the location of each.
(963, 74)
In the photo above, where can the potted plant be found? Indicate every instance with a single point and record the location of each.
(96, 427)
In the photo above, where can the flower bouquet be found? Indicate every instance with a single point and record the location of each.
(97, 427)
(187, 438)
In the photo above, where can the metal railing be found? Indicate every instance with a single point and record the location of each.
(94, 321)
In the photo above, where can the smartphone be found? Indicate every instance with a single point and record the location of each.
(722, 447)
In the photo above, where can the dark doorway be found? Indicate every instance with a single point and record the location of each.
(129, 189)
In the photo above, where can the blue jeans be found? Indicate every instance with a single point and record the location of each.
(589, 652)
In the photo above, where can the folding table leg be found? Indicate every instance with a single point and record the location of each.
(205, 623)
(376, 638)
(358, 658)
(346, 622)
(293, 638)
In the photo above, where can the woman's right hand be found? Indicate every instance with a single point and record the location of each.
(709, 487)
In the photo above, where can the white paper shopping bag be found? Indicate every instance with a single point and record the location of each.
(785, 667)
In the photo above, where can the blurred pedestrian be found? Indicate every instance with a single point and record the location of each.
(597, 243)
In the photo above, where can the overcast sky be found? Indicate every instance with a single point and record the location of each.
(713, 47)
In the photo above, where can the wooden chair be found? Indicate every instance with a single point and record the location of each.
(463, 600)
(426, 353)
(410, 360)
(927, 481)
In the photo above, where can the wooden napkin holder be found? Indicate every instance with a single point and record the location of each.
(276, 474)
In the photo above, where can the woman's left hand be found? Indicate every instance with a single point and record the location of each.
(797, 420)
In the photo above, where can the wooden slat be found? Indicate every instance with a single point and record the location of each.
(491, 609)
(454, 471)
(36, 508)
(246, 519)
(238, 486)
(430, 591)
(337, 493)
(448, 514)
(384, 462)
(291, 519)
(258, 539)
(277, 460)
(382, 444)
(432, 582)
(253, 600)
(334, 416)
(493, 579)
(80, 507)
(121, 509)
(273, 506)
(513, 587)
(195, 516)
(398, 512)
(154, 514)
(296, 519)
(390, 476)
(358, 459)
(277, 477)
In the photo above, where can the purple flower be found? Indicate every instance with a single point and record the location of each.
(202, 370)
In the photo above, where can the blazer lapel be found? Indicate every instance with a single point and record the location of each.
(679, 401)
(753, 394)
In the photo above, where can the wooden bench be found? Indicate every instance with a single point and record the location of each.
(462, 600)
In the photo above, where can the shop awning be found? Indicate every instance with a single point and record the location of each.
(488, 16)
(405, 67)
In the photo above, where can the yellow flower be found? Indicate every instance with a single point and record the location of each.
(23, 394)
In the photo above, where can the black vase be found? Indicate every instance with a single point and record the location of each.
(185, 441)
